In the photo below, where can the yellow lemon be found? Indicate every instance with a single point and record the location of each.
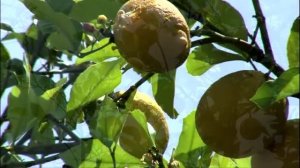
(231, 124)
(132, 137)
(152, 35)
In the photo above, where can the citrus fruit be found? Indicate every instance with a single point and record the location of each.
(231, 124)
(152, 35)
(133, 132)
(284, 155)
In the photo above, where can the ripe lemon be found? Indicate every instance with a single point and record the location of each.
(284, 155)
(132, 137)
(231, 124)
(152, 35)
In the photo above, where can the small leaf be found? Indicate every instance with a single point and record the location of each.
(6, 27)
(94, 82)
(163, 88)
(219, 161)
(107, 123)
(100, 55)
(204, 57)
(190, 145)
(293, 45)
(87, 10)
(94, 154)
(285, 85)
(42, 134)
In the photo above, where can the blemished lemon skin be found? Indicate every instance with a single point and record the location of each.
(152, 35)
(283, 155)
(231, 124)
(132, 137)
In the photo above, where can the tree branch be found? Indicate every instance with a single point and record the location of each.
(263, 29)
(124, 97)
(253, 51)
(43, 149)
(31, 163)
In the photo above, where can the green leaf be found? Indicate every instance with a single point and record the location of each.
(107, 122)
(87, 10)
(100, 55)
(58, 99)
(6, 27)
(68, 31)
(163, 88)
(219, 161)
(42, 135)
(94, 82)
(25, 105)
(63, 6)
(221, 15)
(94, 154)
(190, 145)
(293, 45)
(285, 85)
(204, 57)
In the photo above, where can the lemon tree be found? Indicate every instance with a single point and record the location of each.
(75, 95)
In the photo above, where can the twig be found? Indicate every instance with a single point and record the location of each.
(113, 156)
(92, 51)
(253, 51)
(263, 29)
(31, 163)
(43, 149)
(124, 97)
(64, 128)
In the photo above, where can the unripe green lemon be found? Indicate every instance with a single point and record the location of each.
(283, 155)
(231, 124)
(152, 35)
(155, 117)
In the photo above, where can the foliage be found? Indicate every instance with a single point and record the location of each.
(41, 110)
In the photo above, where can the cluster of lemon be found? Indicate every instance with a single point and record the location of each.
(153, 36)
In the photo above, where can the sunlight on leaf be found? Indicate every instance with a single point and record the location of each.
(204, 57)
(285, 85)
(94, 82)
(293, 45)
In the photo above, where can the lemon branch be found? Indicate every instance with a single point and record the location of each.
(121, 100)
(253, 51)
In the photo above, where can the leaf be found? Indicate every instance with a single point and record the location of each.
(63, 6)
(163, 88)
(6, 27)
(94, 82)
(204, 57)
(221, 15)
(24, 105)
(190, 145)
(94, 154)
(219, 161)
(69, 30)
(107, 123)
(293, 45)
(285, 85)
(100, 55)
(42, 134)
(58, 99)
(87, 10)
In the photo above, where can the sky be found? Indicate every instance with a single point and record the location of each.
(279, 14)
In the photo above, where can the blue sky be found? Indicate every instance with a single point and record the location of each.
(280, 15)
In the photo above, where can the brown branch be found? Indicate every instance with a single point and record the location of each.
(31, 163)
(263, 29)
(253, 51)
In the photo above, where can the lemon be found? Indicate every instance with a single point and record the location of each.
(152, 35)
(231, 124)
(283, 155)
(131, 138)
